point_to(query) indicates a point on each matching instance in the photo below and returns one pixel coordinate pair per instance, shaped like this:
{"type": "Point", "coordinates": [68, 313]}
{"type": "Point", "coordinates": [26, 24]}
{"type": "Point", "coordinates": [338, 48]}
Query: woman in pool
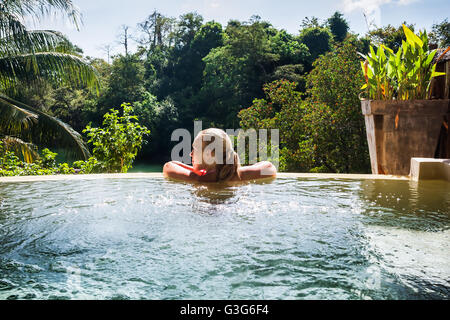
{"type": "Point", "coordinates": [214, 160]}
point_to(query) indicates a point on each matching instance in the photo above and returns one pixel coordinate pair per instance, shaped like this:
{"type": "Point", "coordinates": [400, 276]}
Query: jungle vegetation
{"type": "Point", "coordinates": [245, 74]}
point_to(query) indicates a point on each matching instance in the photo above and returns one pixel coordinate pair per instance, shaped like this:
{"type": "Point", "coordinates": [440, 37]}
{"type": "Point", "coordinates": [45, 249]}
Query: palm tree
{"type": "Point", "coordinates": [33, 56]}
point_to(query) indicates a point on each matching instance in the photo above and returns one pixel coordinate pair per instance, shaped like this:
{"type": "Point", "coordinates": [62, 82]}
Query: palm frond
{"type": "Point", "coordinates": [33, 42]}
{"type": "Point", "coordinates": [14, 119]}
{"type": "Point", "coordinates": [10, 25]}
{"type": "Point", "coordinates": [27, 150]}
{"type": "Point", "coordinates": [41, 8]}
{"type": "Point", "coordinates": [47, 131]}
{"type": "Point", "coordinates": [33, 56]}
{"type": "Point", "coordinates": [58, 68]}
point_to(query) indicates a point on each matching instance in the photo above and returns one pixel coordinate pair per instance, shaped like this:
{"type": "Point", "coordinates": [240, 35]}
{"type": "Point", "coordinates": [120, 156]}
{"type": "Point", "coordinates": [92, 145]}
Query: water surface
{"type": "Point", "coordinates": [289, 239]}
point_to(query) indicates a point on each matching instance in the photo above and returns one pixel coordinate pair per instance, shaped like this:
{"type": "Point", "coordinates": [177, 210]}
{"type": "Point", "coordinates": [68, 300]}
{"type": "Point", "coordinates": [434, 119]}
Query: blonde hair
{"type": "Point", "coordinates": [227, 166]}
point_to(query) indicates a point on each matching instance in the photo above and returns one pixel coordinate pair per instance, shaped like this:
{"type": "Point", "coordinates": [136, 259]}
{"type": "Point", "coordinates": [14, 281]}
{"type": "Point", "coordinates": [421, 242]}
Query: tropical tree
{"type": "Point", "coordinates": [30, 57]}
{"type": "Point", "coordinates": [440, 34]}
{"type": "Point", "coordinates": [318, 41]}
{"type": "Point", "coordinates": [338, 26]}
{"type": "Point", "coordinates": [390, 36]}
{"type": "Point", "coordinates": [156, 30]}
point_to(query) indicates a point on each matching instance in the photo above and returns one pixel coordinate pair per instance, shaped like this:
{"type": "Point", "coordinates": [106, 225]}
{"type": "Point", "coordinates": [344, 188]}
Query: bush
{"type": "Point", "coordinates": [116, 144]}
{"type": "Point", "coordinates": [282, 109]}
{"type": "Point", "coordinates": [404, 75]}
{"type": "Point", "coordinates": [115, 147]}
{"type": "Point", "coordinates": [334, 125]}
{"type": "Point", "coordinates": [325, 132]}
{"type": "Point", "coordinates": [11, 165]}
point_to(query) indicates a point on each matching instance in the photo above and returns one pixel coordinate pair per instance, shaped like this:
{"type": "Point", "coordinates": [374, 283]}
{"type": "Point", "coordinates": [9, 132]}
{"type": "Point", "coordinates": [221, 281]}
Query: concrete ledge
{"type": "Point", "coordinates": [80, 177]}
{"type": "Point", "coordinates": [159, 175]}
{"type": "Point", "coordinates": [341, 176]}
{"type": "Point", "coordinates": [430, 169]}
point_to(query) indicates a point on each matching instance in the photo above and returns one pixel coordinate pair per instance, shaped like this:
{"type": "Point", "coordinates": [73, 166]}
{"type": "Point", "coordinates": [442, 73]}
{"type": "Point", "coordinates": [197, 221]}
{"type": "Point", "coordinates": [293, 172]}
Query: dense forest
{"type": "Point", "coordinates": [247, 74]}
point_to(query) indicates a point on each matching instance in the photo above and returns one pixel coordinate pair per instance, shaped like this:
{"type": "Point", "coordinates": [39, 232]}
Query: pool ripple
{"type": "Point", "coordinates": [289, 239]}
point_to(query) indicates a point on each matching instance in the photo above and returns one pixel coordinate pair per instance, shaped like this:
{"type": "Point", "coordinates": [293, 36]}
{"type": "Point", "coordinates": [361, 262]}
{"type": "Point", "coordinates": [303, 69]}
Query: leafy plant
{"type": "Point", "coordinates": [325, 131]}
{"type": "Point", "coordinates": [45, 164]}
{"type": "Point", "coordinates": [335, 139]}
{"type": "Point", "coordinates": [117, 144]}
{"type": "Point", "coordinates": [404, 75]}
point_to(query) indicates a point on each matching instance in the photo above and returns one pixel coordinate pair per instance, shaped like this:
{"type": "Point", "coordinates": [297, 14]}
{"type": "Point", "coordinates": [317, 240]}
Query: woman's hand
{"type": "Point", "coordinates": [179, 171]}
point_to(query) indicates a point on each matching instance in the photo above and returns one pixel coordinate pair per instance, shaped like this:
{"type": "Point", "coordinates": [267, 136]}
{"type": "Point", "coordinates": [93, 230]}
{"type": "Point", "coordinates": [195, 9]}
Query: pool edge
{"type": "Point", "coordinates": [159, 175]}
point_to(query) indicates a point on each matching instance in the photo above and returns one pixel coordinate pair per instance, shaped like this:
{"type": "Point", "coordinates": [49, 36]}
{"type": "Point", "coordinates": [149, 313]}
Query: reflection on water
{"type": "Point", "coordinates": [408, 231]}
{"type": "Point", "coordinates": [285, 239]}
{"type": "Point", "coordinates": [416, 205]}
{"type": "Point", "coordinates": [214, 194]}
{"type": "Point", "coordinates": [207, 198]}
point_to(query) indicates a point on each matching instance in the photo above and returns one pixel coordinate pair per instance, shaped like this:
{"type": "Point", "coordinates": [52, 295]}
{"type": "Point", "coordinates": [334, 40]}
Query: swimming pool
{"type": "Point", "coordinates": [288, 239]}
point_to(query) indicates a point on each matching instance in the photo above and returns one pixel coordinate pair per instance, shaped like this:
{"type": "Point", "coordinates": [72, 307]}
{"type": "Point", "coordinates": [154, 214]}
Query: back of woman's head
{"type": "Point", "coordinates": [218, 152]}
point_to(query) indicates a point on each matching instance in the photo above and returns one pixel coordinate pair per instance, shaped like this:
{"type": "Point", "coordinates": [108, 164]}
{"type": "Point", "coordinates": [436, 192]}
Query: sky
{"type": "Point", "coordinates": [102, 19]}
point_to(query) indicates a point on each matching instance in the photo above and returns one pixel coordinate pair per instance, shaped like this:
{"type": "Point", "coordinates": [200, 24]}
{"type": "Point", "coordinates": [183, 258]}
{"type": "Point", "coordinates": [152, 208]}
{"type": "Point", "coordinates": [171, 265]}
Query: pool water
{"type": "Point", "coordinates": [287, 239]}
{"type": "Point", "coordinates": [139, 168]}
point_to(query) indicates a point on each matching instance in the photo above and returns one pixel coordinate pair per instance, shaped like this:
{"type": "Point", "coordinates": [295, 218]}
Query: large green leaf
{"type": "Point", "coordinates": [59, 68]}
{"type": "Point", "coordinates": [40, 9]}
{"type": "Point", "coordinates": [33, 42]}
{"type": "Point", "coordinates": [429, 58]}
{"type": "Point", "coordinates": [412, 38]}
{"type": "Point", "coordinates": [41, 129]}
{"type": "Point", "coordinates": [33, 56]}
{"type": "Point", "coordinates": [20, 147]}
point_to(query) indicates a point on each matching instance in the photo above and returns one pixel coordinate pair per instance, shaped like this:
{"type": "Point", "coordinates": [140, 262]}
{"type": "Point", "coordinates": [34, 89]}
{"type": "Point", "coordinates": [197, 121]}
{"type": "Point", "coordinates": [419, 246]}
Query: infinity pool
{"type": "Point", "coordinates": [288, 239]}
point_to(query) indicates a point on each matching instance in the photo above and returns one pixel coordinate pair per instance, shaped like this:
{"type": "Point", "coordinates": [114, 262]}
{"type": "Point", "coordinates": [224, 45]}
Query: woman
{"type": "Point", "coordinates": [214, 160]}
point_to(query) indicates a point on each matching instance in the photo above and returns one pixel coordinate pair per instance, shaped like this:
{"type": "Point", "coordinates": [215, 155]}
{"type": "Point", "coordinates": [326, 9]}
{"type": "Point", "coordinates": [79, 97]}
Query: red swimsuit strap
{"type": "Point", "coordinates": [203, 172]}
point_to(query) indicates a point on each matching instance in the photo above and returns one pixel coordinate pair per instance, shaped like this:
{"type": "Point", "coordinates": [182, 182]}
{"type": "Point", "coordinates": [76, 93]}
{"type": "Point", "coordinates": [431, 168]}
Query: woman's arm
{"type": "Point", "coordinates": [179, 171]}
{"type": "Point", "coordinates": [181, 164]}
{"type": "Point", "coordinates": [263, 169]}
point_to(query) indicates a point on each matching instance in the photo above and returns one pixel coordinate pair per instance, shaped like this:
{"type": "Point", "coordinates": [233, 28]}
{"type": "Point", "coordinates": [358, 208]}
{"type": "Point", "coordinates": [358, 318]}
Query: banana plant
{"type": "Point", "coordinates": [404, 75]}
{"type": "Point", "coordinates": [378, 74]}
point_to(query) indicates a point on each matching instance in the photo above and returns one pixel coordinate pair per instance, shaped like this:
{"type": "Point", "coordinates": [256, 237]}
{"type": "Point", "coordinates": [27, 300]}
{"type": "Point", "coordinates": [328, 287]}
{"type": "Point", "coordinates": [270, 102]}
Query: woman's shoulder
{"type": "Point", "coordinates": [264, 169]}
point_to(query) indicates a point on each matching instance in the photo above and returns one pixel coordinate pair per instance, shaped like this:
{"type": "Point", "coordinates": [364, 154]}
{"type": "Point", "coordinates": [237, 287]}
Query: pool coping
{"type": "Point", "coordinates": [160, 175]}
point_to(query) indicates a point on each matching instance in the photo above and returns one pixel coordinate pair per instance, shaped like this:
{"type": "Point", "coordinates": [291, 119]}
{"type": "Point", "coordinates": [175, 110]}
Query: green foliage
{"type": "Point", "coordinates": [31, 57]}
{"type": "Point", "coordinates": [389, 36]}
{"type": "Point", "coordinates": [288, 48]}
{"type": "Point", "coordinates": [440, 34]}
{"type": "Point", "coordinates": [116, 144]}
{"type": "Point", "coordinates": [325, 132]}
{"type": "Point", "coordinates": [156, 29]}
{"type": "Point", "coordinates": [254, 53]}
{"type": "Point", "coordinates": [126, 82]}
{"type": "Point", "coordinates": [282, 109]}
{"type": "Point", "coordinates": [318, 41]}
{"type": "Point", "coordinates": [187, 27]}
{"type": "Point", "coordinates": [312, 22]}
{"type": "Point", "coordinates": [210, 35]}
{"type": "Point", "coordinates": [338, 26]}
{"type": "Point", "coordinates": [161, 117]}
{"type": "Point", "coordinates": [181, 79]}
{"type": "Point", "coordinates": [334, 126]}
{"type": "Point", "coordinates": [404, 75]}
{"type": "Point", "coordinates": [293, 73]}
{"type": "Point", "coordinates": [11, 165]}
{"type": "Point", "coordinates": [92, 165]}
{"type": "Point", "coordinates": [48, 158]}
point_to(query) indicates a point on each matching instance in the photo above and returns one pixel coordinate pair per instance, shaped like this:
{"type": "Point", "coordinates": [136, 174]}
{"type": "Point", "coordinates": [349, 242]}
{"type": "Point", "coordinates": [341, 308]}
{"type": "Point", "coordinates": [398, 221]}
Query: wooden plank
{"type": "Point", "coordinates": [447, 80]}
